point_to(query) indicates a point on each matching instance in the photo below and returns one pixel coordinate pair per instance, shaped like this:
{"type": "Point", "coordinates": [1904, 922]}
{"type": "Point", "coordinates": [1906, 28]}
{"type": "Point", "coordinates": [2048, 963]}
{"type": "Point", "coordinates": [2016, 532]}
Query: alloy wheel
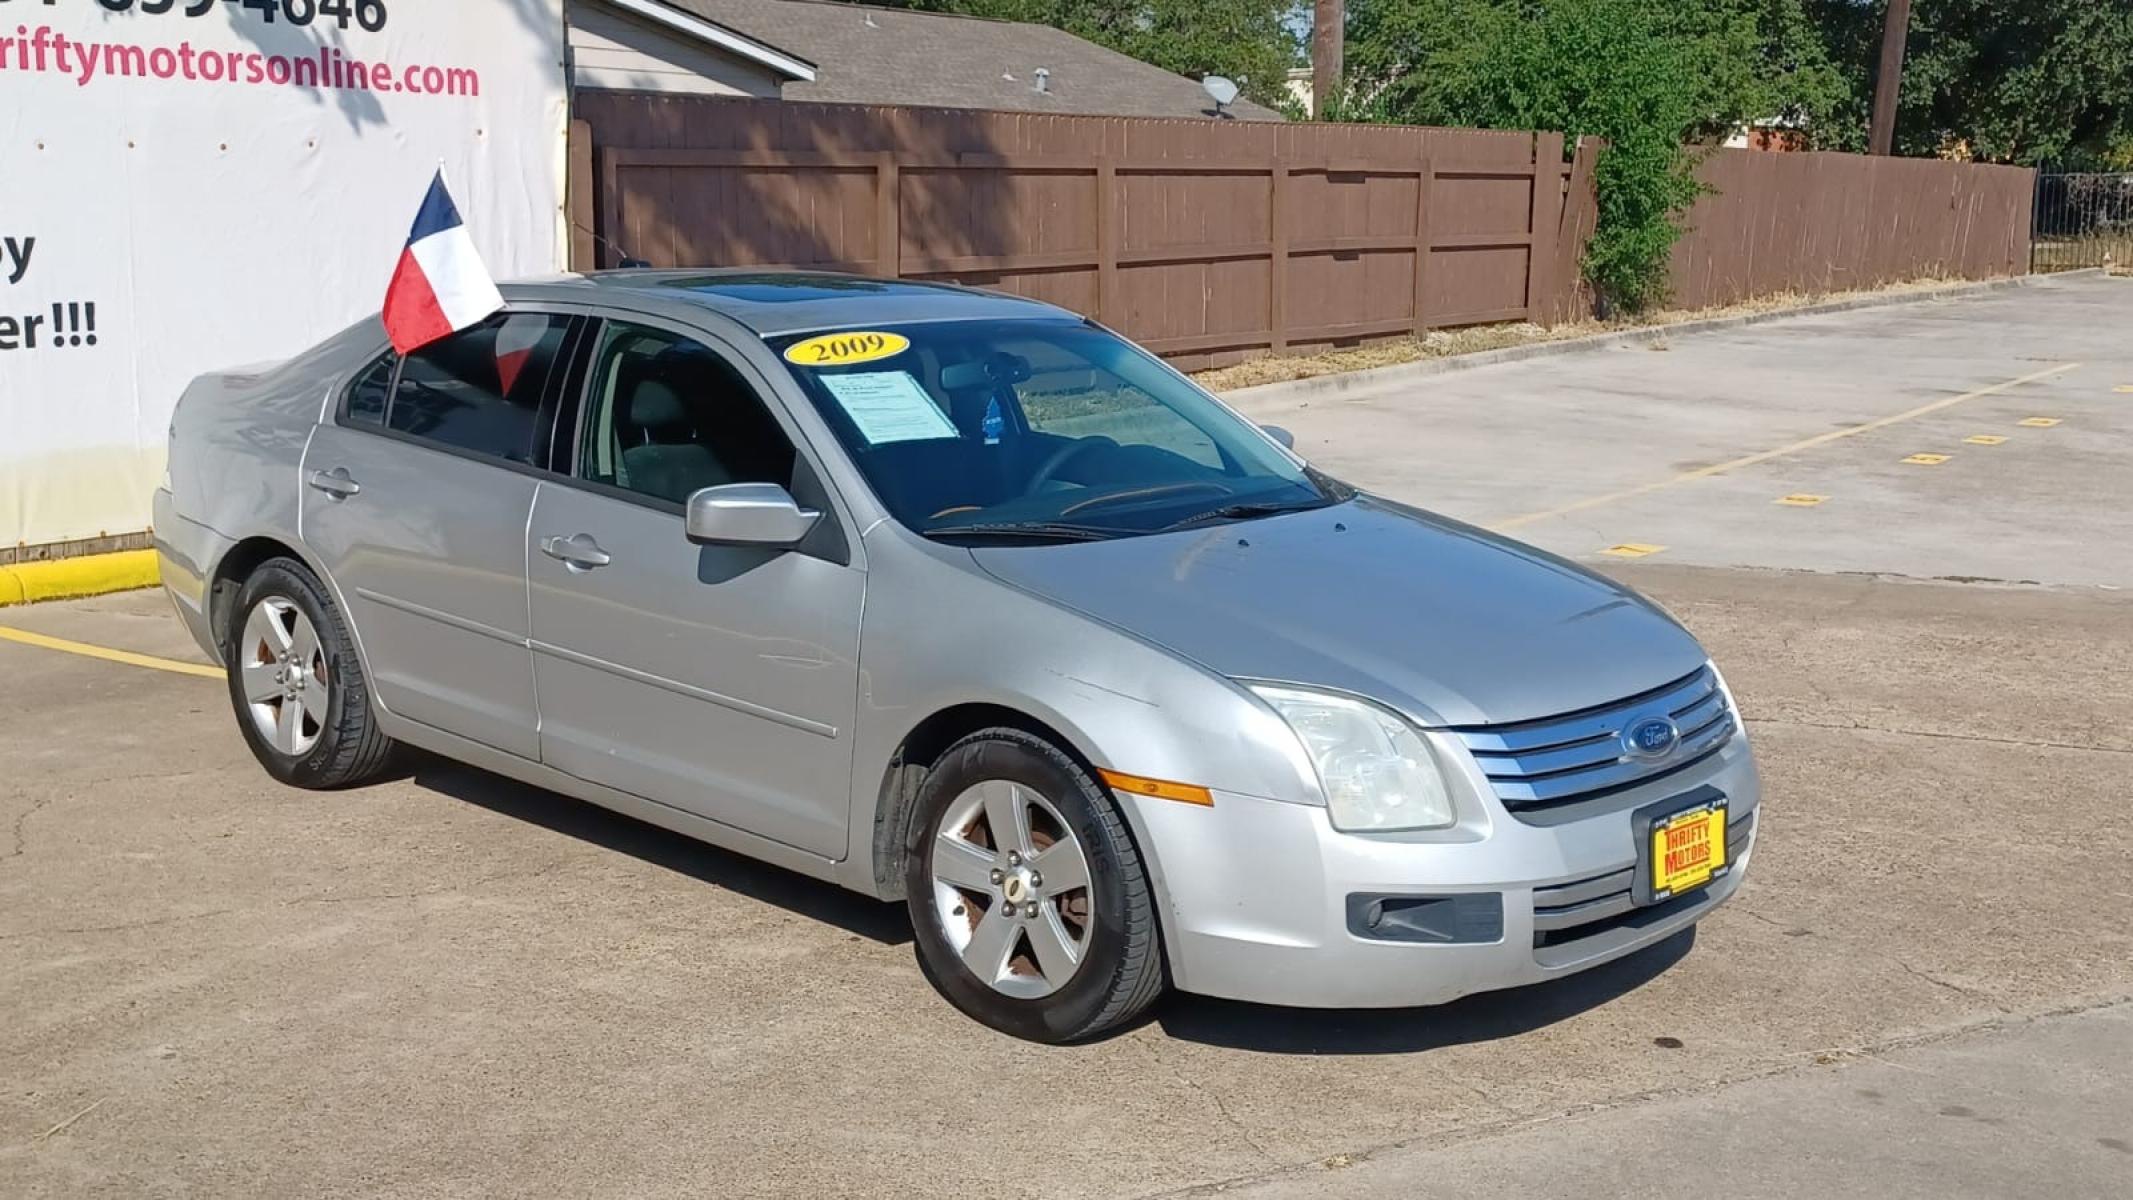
{"type": "Point", "coordinates": [284, 675]}
{"type": "Point", "coordinates": [1011, 887]}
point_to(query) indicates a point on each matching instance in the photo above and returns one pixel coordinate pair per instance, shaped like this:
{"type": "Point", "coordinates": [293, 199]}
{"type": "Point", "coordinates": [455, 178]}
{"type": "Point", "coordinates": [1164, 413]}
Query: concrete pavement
{"type": "Point", "coordinates": [451, 985]}
{"type": "Point", "coordinates": [1630, 446]}
{"type": "Point", "coordinates": [2036, 1108]}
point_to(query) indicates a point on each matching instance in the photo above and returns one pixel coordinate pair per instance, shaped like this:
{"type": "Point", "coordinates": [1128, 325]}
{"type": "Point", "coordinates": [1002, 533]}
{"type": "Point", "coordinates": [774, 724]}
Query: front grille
{"type": "Point", "coordinates": [1563, 760]}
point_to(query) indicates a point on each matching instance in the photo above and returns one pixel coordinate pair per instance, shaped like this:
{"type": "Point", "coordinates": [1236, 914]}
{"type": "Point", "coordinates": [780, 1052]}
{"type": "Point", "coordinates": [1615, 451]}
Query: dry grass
{"type": "Point", "coordinates": [1449, 343]}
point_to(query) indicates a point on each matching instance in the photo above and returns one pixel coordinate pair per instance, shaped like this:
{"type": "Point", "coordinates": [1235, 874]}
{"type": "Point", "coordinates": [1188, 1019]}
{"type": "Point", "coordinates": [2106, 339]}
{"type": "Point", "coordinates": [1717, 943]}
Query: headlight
{"type": "Point", "coordinates": [1377, 772]}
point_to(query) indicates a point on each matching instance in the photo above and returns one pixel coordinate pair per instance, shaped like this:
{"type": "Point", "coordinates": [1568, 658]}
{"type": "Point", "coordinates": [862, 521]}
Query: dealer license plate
{"type": "Point", "coordinates": [1687, 850]}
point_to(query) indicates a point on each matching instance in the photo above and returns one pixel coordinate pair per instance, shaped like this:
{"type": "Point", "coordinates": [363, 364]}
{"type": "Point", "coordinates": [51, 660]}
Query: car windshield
{"type": "Point", "coordinates": [1039, 430]}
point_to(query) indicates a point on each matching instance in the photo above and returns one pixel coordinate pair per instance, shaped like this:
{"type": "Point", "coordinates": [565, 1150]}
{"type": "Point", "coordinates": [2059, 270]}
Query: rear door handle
{"type": "Point", "coordinates": [335, 483]}
{"type": "Point", "coordinates": [579, 551]}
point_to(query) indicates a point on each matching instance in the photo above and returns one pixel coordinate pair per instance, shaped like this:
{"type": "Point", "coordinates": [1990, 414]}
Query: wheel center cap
{"type": "Point", "coordinates": [1016, 888]}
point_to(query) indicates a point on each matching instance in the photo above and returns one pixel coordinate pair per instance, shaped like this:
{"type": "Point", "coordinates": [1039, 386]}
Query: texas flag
{"type": "Point", "coordinates": [441, 286]}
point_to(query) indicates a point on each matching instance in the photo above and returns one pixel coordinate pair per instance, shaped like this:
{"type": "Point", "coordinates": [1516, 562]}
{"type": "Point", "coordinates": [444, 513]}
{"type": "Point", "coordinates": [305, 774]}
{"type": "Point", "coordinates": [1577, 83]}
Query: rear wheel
{"type": "Point", "coordinates": [301, 700]}
{"type": "Point", "coordinates": [1031, 908]}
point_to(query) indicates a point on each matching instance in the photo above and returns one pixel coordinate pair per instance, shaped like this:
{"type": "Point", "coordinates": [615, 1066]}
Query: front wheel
{"type": "Point", "coordinates": [1031, 908]}
{"type": "Point", "coordinates": [301, 699]}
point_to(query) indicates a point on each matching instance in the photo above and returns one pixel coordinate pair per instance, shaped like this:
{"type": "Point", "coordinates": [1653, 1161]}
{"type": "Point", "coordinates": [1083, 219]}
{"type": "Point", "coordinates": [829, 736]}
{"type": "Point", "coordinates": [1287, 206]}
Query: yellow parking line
{"type": "Point", "coordinates": [1632, 550]}
{"type": "Point", "coordinates": [1801, 500]}
{"type": "Point", "coordinates": [1985, 439]}
{"type": "Point", "coordinates": [1750, 460]}
{"type": "Point", "coordinates": [2038, 422]}
{"type": "Point", "coordinates": [107, 654]}
{"type": "Point", "coordinates": [1928, 460]}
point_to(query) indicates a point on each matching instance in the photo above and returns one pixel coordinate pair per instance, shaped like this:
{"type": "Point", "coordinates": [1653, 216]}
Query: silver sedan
{"type": "Point", "coordinates": [958, 599]}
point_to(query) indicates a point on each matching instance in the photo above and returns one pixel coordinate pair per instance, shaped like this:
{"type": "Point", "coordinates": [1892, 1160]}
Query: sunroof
{"type": "Point", "coordinates": [782, 289]}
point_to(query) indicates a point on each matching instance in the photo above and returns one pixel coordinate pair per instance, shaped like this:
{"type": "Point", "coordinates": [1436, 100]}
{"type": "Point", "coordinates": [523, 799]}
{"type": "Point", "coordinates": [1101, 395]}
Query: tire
{"type": "Point", "coordinates": [965, 919]}
{"type": "Point", "coordinates": [334, 741]}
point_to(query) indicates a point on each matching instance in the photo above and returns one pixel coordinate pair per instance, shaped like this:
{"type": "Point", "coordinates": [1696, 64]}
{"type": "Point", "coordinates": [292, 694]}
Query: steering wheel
{"type": "Point", "coordinates": [1064, 455]}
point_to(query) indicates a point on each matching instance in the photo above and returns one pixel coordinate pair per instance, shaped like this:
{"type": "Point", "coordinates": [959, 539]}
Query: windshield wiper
{"type": "Point", "coordinates": [1034, 530]}
{"type": "Point", "coordinates": [1239, 512]}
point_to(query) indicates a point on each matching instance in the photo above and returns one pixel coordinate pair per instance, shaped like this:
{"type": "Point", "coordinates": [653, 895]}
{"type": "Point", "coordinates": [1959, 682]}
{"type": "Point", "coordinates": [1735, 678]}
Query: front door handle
{"type": "Point", "coordinates": [335, 483]}
{"type": "Point", "coordinates": [579, 551]}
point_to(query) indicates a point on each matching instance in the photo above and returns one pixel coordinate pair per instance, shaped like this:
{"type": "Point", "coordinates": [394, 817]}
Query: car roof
{"type": "Point", "coordinates": [776, 303]}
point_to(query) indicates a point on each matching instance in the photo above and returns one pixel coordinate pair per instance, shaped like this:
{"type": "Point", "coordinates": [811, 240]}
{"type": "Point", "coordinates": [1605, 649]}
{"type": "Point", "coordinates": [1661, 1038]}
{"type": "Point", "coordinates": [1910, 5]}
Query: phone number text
{"type": "Point", "coordinates": [369, 15]}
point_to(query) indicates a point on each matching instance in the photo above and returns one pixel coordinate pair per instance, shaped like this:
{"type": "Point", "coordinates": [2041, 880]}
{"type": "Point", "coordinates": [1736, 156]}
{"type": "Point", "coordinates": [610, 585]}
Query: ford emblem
{"type": "Point", "coordinates": [1651, 738]}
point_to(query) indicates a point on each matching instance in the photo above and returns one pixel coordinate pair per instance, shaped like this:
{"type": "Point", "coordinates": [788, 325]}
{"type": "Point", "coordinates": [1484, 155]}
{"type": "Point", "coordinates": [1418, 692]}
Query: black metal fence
{"type": "Point", "coordinates": [2083, 220]}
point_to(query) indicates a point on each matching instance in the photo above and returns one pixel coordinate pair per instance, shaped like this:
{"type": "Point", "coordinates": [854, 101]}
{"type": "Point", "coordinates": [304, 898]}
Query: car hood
{"type": "Point", "coordinates": [1450, 624]}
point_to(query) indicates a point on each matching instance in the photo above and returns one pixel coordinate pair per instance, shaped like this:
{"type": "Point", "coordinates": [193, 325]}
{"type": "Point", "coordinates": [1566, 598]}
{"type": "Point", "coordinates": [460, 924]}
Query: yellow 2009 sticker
{"type": "Point", "coordinates": [844, 349]}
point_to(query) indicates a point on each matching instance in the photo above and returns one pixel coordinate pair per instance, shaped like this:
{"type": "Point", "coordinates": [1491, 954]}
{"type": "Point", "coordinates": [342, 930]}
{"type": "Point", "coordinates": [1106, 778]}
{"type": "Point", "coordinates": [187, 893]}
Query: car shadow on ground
{"type": "Point", "coordinates": [1481, 1018]}
{"type": "Point", "coordinates": [1225, 1023]}
{"type": "Point", "coordinates": [827, 903]}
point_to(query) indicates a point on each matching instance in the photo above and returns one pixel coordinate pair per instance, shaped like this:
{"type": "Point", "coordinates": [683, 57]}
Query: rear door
{"type": "Point", "coordinates": [416, 499]}
{"type": "Point", "coordinates": [719, 680]}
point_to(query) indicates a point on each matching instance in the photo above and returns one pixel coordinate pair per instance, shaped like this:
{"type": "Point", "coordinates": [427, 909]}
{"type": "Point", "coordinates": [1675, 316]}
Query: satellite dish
{"type": "Point", "coordinates": [1222, 91]}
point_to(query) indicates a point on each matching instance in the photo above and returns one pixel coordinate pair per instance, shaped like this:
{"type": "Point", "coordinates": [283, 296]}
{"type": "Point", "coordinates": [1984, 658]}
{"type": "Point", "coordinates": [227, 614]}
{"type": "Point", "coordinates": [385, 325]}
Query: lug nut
{"type": "Point", "coordinates": [998, 874]}
{"type": "Point", "coordinates": [1030, 910]}
{"type": "Point", "coordinates": [1036, 880]}
{"type": "Point", "coordinates": [1014, 858]}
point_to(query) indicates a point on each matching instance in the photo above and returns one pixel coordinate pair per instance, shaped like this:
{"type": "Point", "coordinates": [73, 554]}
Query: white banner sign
{"type": "Point", "coordinates": [187, 185]}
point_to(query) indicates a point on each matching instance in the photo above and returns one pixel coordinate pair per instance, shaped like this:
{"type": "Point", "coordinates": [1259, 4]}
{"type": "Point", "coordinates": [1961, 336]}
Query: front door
{"type": "Point", "coordinates": [718, 680]}
{"type": "Point", "coordinates": [415, 499]}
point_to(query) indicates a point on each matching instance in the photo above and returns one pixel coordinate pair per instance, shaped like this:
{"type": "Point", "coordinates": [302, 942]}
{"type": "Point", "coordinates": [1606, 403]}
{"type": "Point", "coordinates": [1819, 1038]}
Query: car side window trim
{"type": "Point", "coordinates": [572, 381]}
{"type": "Point", "coordinates": [828, 542]}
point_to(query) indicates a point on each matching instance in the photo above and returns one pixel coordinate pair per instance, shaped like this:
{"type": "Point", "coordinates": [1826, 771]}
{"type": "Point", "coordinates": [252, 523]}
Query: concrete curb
{"type": "Point", "coordinates": [70, 578]}
{"type": "Point", "coordinates": [1321, 386]}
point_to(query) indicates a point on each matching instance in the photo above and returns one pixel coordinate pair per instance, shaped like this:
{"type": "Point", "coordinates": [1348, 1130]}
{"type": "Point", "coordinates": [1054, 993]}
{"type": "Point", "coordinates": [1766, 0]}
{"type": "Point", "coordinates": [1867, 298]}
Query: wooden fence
{"type": "Point", "coordinates": [1813, 223]}
{"type": "Point", "coordinates": [1207, 241]}
{"type": "Point", "coordinates": [1212, 241]}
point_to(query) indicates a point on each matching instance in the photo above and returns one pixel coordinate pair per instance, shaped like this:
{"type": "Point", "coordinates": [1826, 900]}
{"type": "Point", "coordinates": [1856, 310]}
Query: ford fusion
{"type": "Point", "coordinates": [957, 599]}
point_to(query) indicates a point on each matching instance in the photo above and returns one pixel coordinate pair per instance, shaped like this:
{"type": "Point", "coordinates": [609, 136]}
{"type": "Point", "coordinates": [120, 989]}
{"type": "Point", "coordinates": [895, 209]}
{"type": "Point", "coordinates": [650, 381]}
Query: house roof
{"type": "Point", "coordinates": [733, 41]}
{"type": "Point", "coordinates": [868, 55]}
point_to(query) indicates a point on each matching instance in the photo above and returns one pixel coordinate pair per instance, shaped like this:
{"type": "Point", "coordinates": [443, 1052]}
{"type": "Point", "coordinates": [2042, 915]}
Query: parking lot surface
{"type": "Point", "coordinates": [1689, 447]}
{"type": "Point", "coordinates": [453, 985]}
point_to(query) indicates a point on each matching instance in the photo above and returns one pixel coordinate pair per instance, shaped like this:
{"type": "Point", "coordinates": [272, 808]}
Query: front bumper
{"type": "Point", "coordinates": [1259, 895]}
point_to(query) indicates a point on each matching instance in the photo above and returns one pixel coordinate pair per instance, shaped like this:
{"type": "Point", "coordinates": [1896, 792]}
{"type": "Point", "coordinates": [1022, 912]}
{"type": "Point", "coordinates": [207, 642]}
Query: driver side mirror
{"type": "Point", "coordinates": [1287, 439]}
{"type": "Point", "coordinates": [748, 514]}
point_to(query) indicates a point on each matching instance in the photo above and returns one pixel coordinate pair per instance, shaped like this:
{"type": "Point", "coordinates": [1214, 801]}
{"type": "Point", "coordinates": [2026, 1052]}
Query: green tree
{"type": "Point", "coordinates": [1618, 69]}
{"type": "Point", "coordinates": [1253, 41]}
{"type": "Point", "coordinates": [1653, 77]}
{"type": "Point", "coordinates": [1747, 60]}
{"type": "Point", "coordinates": [2033, 82]}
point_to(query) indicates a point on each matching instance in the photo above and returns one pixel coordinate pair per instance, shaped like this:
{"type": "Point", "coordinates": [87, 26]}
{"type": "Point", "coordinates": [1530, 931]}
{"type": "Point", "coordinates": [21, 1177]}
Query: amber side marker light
{"type": "Point", "coordinates": [1183, 793]}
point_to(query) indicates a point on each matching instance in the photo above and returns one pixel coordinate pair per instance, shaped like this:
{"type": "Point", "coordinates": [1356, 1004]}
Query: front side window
{"type": "Point", "coordinates": [669, 416]}
{"type": "Point", "coordinates": [1035, 429]}
{"type": "Point", "coordinates": [481, 390]}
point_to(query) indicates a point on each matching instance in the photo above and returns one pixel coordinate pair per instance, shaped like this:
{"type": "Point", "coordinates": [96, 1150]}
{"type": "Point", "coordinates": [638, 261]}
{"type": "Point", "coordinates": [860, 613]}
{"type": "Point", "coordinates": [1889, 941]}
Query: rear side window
{"type": "Point", "coordinates": [368, 394]}
{"type": "Point", "coordinates": [481, 390]}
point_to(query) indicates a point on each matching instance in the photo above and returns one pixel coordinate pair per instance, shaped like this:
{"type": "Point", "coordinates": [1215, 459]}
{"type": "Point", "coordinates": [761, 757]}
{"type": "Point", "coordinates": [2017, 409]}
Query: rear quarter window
{"type": "Point", "coordinates": [371, 389]}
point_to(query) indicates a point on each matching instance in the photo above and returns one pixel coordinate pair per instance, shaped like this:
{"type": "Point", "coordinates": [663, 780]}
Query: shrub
{"type": "Point", "coordinates": [1650, 76]}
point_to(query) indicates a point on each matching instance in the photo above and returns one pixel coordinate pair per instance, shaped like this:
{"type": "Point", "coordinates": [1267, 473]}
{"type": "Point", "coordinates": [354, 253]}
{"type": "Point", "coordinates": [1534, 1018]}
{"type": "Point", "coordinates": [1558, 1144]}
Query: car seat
{"type": "Point", "coordinates": [667, 459]}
